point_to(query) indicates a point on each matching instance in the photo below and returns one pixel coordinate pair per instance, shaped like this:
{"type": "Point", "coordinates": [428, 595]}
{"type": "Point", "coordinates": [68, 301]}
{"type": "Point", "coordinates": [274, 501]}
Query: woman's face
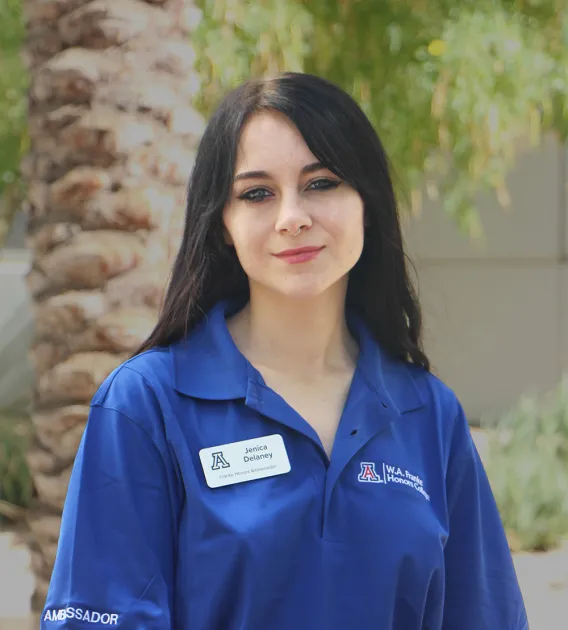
{"type": "Point", "coordinates": [279, 187]}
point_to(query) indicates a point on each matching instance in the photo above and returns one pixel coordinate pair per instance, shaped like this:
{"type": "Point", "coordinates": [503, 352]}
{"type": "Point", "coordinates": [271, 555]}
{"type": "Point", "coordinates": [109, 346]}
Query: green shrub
{"type": "Point", "coordinates": [527, 464]}
{"type": "Point", "coordinates": [13, 111]}
{"type": "Point", "coordinates": [15, 481]}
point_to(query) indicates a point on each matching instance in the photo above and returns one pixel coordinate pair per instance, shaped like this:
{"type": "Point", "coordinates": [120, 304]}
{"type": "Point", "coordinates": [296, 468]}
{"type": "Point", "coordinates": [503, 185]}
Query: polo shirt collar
{"type": "Point", "coordinates": [208, 365]}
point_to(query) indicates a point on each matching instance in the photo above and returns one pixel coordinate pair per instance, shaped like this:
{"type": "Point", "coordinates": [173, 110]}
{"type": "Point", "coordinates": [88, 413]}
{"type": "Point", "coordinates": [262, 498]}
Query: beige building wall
{"type": "Point", "coordinates": [496, 311]}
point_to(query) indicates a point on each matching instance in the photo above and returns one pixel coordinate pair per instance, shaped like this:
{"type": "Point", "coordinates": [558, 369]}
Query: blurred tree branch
{"type": "Point", "coordinates": [456, 89]}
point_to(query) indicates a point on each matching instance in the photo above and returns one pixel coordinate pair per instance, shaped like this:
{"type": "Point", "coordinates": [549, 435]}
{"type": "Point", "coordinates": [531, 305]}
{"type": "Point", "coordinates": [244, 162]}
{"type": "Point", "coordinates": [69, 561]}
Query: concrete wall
{"type": "Point", "coordinates": [496, 312]}
{"type": "Point", "coordinates": [15, 327]}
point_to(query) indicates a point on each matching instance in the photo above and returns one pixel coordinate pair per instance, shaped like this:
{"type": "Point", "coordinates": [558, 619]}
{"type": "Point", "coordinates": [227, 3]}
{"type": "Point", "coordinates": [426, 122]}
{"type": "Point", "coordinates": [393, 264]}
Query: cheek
{"type": "Point", "coordinates": [355, 245]}
{"type": "Point", "coordinates": [358, 225]}
{"type": "Point", "coordinates": [352, 240]}
{"type": "Point", "coordinates": [244, 235]}
{"type": "Point", "coordinates": [348, 228]}
{"type": "Point", "coordinates": [227, 227]}
{"type": "Point", "coordinates": [237, 232]}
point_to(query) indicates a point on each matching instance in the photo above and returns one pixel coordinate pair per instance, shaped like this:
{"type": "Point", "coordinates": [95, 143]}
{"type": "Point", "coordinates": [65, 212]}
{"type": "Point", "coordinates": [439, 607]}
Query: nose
{"type": "Point", "coordinates": [292, 216]}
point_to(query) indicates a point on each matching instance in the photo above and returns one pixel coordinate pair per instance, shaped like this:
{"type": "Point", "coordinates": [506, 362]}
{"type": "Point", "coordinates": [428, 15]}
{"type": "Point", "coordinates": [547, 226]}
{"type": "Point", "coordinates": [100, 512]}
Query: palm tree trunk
{"type": "Point", "coordinates": [112, 134]}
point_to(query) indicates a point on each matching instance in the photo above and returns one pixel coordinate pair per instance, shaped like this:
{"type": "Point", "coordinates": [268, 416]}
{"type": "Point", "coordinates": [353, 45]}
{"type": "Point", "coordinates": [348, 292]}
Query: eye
{"type": "Point", "coordinates": [255, 195]}
{"type": "Point", "coordinates": [324, 183]}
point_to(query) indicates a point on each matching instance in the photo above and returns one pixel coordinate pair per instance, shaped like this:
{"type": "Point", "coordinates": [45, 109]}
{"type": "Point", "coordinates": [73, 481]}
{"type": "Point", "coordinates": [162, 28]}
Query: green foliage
{"type": "Point", "coordinates": [454, 88]}
{"type": "Point", "coordinates": [13, 83]}
{"type": "Point", "coordinates": [527, 464]}
{"type": "Point", "coordinates": [15, 480]}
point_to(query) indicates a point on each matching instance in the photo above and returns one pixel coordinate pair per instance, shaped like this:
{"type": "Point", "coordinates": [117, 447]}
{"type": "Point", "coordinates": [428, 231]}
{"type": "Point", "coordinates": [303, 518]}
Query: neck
{"type": "Point", "coordinates": [305, 337]}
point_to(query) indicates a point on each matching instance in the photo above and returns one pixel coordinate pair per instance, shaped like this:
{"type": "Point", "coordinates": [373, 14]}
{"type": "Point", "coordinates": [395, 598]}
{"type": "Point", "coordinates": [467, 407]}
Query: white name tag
{"type": "Point", "coordinates": [244, 461]}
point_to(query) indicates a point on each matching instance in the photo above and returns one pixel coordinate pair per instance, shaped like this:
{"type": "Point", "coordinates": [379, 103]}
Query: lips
{"type": "Point", "coordinates": [299, 255]}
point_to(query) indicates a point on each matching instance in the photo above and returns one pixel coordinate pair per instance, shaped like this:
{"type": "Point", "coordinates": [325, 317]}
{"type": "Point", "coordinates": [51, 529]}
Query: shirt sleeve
{"type": "Point", "coordinates": [482, 591]}
{"type": "Point", "coordinates": [115, 558]}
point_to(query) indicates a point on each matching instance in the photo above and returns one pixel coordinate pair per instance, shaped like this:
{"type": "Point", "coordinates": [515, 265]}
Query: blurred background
{"type": "Point", "coordinates": [102, 103]}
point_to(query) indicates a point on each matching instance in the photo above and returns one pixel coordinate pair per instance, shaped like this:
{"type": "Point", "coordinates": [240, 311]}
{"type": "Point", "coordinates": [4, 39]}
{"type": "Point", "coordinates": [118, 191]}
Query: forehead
{"type": "Point", "coordinates": [269, 138]}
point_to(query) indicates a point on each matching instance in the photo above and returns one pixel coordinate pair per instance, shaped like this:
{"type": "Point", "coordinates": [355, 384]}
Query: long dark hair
{"type": "Point", "coordinates": [341, 137]}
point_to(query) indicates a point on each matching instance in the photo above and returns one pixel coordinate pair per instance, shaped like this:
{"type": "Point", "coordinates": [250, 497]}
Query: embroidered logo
{"type": "Point", "coordinates": [368, 473]}
{"type": "Point", "coordinates": [391, 474]}
{"type": "Point", "coordinates": [219, 461]}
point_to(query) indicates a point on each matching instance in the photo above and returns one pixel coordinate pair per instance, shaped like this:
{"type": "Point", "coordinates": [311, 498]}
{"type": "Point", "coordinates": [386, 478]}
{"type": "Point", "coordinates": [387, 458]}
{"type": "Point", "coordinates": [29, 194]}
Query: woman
{"type": "Point", "coordinates": [278, 455]}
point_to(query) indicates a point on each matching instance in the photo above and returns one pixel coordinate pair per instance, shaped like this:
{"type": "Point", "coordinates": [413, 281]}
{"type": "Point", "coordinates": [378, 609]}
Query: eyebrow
{"type": "Point", "coordinates": [309, 168]}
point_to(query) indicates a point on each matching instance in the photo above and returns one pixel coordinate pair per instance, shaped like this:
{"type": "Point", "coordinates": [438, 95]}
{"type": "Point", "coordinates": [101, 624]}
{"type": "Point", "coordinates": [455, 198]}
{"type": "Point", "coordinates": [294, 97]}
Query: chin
{"type": "Point", "coordinates": [302, 288]}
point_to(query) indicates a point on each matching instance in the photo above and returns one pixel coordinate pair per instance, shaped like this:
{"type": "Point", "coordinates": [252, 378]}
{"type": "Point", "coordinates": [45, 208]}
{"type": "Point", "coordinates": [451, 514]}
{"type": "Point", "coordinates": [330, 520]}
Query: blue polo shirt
{"type": "Point", "coordinates": [398, 530]}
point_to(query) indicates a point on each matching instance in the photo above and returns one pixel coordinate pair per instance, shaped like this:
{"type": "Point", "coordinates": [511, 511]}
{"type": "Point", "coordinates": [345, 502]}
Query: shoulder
{"type": "Point", "coordinates": [436, 393]}
{"type": "Point", "coordinates": [441, 418]}
{"type": "Point", "coordinates": [414, 388]}
{"type": "Point", "coordinates": [137, 384]}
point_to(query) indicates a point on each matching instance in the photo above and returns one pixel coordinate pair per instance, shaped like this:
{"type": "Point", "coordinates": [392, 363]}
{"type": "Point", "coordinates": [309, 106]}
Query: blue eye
{"type": "Point", "coordinates": [255, 195]}
{"type": "Point", "coordinates": [324, 183]}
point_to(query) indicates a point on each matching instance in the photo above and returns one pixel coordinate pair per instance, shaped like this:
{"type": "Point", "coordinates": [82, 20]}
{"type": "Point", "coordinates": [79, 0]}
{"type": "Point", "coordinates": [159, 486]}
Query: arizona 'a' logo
{"type": "Point", "coordinates": [219, 461]}
{"type": "Point", "coordinates": [368, 473]}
